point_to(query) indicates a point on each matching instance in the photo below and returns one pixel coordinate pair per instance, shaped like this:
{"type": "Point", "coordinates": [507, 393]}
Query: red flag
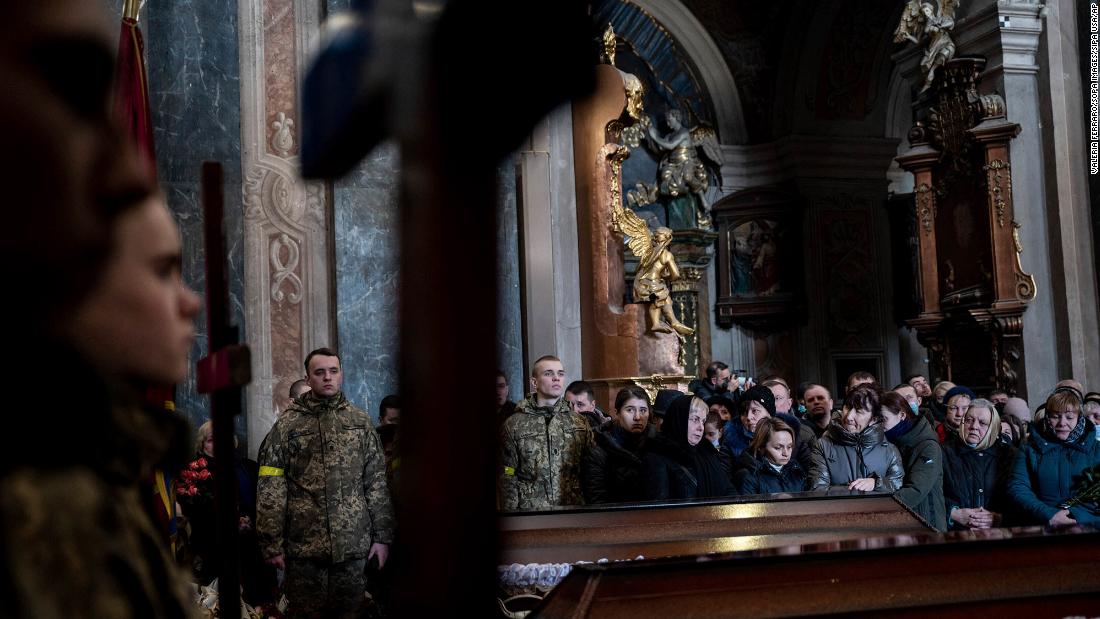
{"type": "Point", "coordinates": [132, 88]}
{"type": "Point", "coordinates": [132, 109]}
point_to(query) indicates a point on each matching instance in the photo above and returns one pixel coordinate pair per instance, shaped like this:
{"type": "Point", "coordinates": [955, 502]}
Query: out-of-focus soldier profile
{"type": "Point", "coordinates": [323, 505]}
{"type": "Point", "coordinates": [102, 314]}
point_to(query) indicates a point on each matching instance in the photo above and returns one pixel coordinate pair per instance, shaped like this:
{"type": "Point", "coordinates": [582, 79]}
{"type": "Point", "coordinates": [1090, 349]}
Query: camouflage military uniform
{"type": "Point", "coordinates": [541, 454]}
{"type": "Point", "coordinates": [322, 500]}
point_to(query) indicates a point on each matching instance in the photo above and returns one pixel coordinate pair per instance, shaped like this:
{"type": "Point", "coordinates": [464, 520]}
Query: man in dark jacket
{"type": "Point", "coordinates": [716, 382]}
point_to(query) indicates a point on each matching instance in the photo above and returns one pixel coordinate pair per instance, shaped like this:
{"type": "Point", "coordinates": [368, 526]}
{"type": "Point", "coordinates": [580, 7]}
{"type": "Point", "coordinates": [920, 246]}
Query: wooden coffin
{"type": "Point", "coordinates": [1026, 572]}
{"type": "Point", "coordinates": [627, 532]}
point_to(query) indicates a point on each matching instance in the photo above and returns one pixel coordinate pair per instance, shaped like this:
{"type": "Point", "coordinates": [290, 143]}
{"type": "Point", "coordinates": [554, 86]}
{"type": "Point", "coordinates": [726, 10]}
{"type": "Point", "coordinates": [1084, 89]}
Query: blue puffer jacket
{"type": "Point", "coordinates": [1047, 472]}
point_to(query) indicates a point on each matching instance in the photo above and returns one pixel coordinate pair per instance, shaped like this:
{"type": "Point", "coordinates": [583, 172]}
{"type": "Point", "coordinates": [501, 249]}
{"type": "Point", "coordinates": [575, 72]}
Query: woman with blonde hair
{"type": "Point", "coordinates": [768, 465]}
{"type": "Point", "coordinates": [976, 469]}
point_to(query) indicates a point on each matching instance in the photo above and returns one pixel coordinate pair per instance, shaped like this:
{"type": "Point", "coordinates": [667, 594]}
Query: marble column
{"type": "Point", "coordinates": [1074, 247]}
{"type": "Point", "coordinates": [191, 52]}
{"type": "Point", "coordinates": [547, 191]}
{"type": "Point", "coordinates": [287, 227]}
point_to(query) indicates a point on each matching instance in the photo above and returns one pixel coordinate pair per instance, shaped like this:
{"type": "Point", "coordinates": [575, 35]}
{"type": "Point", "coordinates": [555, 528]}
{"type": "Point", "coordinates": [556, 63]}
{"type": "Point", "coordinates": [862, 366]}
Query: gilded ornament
{"type": "Point", "coordinates": [925, 206]}
{"type": "Point", "coordinates": [656, 267]}
{"type": "Point", "coordinates": [609, 44]}
{"type": "Point", "coordinates": [635, 96]}
{"type": "Point", "coordinates": [1000, 187]}
{"type": "Point", "coordinates": [1025, 282]}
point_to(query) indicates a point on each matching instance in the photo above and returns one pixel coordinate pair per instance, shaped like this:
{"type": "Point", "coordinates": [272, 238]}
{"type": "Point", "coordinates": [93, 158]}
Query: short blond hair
{"type": "Point", "coordinates": [204, 432]}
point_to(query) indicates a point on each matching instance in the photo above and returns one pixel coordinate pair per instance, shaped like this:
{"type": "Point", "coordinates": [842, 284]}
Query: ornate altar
{"type": "Point", "coordinates": [644, 231]}
{"type": "Point", "coordinates": [973, 289]}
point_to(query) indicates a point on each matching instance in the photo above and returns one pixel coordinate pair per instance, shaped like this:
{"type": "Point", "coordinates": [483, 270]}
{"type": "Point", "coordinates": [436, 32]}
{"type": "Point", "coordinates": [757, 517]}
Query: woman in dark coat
{"type": "Point", "coordinates": [1049, 469]}
{"type": "Point", "coordinates": [679, 464]}
{"type": "Point", "coordinates": [613, 467]}
{"type": "Point", "coordinates": [855, 453]}
{"type": "Point", "coordinates": [976, 468]}
{"type": "Point", "coordinates": [768, 465]}
{"type": "Point", "coordinates": [921, 456]}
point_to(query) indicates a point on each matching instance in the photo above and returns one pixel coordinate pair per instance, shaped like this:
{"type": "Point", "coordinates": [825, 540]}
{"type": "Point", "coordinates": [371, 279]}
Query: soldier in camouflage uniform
{"type": "Point", "coordinates": [542, 445]}
{"type": "Point", "coordinates": [323, 507]}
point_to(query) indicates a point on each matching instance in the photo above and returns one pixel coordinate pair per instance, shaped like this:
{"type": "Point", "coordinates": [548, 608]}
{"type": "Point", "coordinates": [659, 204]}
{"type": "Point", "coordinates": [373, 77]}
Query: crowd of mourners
{"type": "Point", "coordinates": [955, 459]}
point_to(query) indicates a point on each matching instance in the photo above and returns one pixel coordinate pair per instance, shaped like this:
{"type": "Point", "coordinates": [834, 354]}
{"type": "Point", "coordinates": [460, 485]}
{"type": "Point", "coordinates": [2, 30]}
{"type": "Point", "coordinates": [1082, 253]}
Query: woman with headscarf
{"type": "Point", "coordinates": [1049, 470]}
{"type": "Point", "coordinates": [922, 489]}
{"type": "Point", "coordinates": [976, 468]}
{"type": "Point", "coordinates": [679, 464]}
{"type": "Point", "coordinates": [855, 453]}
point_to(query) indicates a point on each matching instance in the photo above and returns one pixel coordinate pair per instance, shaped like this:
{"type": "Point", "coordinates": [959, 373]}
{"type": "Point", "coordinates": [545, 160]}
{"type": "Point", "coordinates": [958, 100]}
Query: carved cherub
{"type": "Point", "coordinates": [656, 268]}
{"type": "Point", "coordinates": [922, 18]}
{"type": "Point", "coordinates": [681, 170]}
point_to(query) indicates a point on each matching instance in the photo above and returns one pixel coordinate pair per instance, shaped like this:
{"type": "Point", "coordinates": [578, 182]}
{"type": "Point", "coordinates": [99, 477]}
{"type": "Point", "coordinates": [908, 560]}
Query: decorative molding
{"type": "Point", "coordinates": [286, 237]}
{"type": "Point", "coordinates": [1025, 282]}
{"type": "Point", "coordinates": [999, 179]}
{"type": "Point", "coordinates": [926, 206]}
{"type": "Point", "coordinates": [283, 139]}
{"type": "Point", "coordinates": [285, 271]}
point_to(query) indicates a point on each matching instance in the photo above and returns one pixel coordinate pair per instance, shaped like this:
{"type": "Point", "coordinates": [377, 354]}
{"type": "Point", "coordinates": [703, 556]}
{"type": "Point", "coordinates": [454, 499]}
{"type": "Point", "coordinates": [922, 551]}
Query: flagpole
{"type": "Point", "coordinates": [130, 9]}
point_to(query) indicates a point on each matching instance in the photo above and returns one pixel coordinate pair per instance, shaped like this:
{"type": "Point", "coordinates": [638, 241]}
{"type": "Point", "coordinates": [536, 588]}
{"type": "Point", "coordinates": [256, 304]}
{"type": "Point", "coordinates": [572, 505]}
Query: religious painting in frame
{"type": "Point", "coordinates": [759, 259]}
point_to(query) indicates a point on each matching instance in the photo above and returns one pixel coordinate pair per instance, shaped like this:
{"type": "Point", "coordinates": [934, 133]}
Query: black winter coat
{"type": "Point", "coordinates": [973, 478]}
{"type": "Point", "coordinates": [612, 470]}
{"type": "Point", "coordinates": [670, 472]}
{"type": "Point", "coordinates": [756, 476]}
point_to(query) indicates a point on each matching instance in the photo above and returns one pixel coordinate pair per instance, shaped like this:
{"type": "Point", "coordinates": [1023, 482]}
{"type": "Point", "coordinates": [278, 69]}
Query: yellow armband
{"type": "Point", "coordinates": [509, 471]}
{"type": "Point", "coordinates": [270, 471]}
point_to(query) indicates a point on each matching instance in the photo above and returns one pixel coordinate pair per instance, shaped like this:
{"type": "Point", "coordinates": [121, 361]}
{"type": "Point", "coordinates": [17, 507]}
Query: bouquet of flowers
{"type": "Point", "coordinates": [196, 483]}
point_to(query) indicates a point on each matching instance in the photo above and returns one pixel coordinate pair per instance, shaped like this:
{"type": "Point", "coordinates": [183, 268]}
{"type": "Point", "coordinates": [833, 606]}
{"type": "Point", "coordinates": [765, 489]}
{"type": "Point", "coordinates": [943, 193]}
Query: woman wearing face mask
{"type": "Point", "coordinates": [768, 465]}
{"type": "Point", "coordinates": [976, 469]}
{"type": "Point", "coordinates": [613, 467]}
{"type": "Point", "coordinates": [854, 453]}
{"type": "Point", "coordinates": [680, 464]}
{"type": "Point", "coordinates": [1048, 470]}
{"type": "Point", "coordinates": [922, 490]}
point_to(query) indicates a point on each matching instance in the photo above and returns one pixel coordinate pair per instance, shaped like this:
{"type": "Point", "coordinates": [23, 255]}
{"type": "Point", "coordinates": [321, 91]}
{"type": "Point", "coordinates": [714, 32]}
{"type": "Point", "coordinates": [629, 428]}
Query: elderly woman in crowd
{"type": "Point", "coordinates": [1048, 471]}
{"type": "Point", "coordinates": [922, 489]}
{"type": "Point", "coordinates": [768, 465]}
{"type": "Point", "coordinates": [976, 469]}
{"type": "Point", "coordinates": [854, 452]}
{"type": "Point", "coordinates": [679, 464]}
{"type": "Point", "coordinates": [613, 466]}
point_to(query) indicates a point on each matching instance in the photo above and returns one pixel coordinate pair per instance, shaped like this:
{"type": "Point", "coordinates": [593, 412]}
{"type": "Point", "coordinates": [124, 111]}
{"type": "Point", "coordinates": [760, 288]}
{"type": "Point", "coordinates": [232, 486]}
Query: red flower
{"type": "Point", "coordinates": [201, 462]}
{"type": "Point", "coordinates": [203, 474]}
{"type": "Point", "coordinates": [192, 490]}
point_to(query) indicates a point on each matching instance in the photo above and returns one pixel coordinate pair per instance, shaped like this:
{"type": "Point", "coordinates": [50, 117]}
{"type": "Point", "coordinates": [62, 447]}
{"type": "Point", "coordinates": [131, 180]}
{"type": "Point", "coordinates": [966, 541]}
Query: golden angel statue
{"type": "Point", "coordinates": [681, 172]}
{"type": "Point", "coordinates": [922, 18]}
{"type": "Point", "coordinates": [656, 268]}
